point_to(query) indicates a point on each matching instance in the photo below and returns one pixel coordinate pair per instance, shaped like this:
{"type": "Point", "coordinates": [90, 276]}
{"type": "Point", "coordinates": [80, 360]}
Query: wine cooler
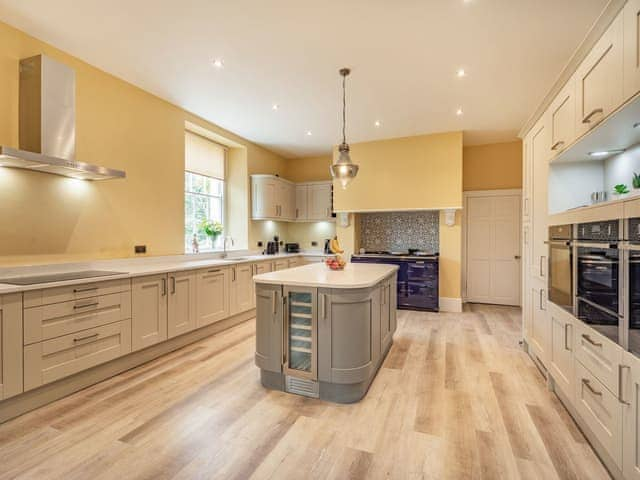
{"type": "Point", "coordinates": [301, 352]}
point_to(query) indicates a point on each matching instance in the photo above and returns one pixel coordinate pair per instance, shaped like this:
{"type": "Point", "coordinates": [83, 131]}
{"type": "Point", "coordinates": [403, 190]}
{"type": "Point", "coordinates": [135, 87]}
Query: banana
{"type": "Point", "coordinates": [334, 245]}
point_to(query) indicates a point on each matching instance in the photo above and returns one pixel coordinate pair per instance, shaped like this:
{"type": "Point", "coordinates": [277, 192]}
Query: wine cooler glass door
{"type": "Point", "coordinates": [301, 331]}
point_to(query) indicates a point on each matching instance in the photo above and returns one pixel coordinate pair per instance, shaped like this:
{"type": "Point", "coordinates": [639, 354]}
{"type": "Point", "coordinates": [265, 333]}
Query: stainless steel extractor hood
{"type": "Point", "coordinates": [47, 130]}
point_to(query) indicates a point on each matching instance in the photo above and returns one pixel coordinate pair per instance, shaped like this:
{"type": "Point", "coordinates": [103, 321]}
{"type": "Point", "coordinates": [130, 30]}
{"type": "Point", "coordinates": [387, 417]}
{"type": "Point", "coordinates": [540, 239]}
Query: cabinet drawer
{"type": "Point", "coordinates": [600, 410]}
{"type": "Point", "coordinates": [47, 296]}
{"type": "Point", "coordinates": [598, 354]}
{"type": "Point", "coordinates": [55, 320]}
{"type": "Point", "coordinates": [51, 360]}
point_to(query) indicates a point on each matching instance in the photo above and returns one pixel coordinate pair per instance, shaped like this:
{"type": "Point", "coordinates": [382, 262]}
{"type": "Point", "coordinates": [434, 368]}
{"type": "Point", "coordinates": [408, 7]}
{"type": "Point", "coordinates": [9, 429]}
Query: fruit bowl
{"type": "Point", "coordinates": [335, 263]}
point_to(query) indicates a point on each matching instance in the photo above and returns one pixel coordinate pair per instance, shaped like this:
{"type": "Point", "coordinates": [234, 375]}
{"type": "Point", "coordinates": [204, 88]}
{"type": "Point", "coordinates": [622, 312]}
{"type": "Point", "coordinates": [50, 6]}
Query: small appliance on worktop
{"type": "Point", "coordinates": [417, 284]}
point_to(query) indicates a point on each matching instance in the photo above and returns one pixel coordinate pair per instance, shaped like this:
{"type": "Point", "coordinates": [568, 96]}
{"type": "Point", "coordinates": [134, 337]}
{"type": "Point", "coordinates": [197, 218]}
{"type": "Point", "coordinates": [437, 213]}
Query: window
{"type": "Point", "coordinates": [203, 190]}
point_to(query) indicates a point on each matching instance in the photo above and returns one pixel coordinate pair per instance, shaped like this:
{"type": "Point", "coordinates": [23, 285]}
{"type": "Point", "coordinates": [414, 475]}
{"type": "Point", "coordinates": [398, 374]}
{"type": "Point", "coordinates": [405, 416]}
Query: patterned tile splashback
{"type": "Point", "coordinates": [400, 231]}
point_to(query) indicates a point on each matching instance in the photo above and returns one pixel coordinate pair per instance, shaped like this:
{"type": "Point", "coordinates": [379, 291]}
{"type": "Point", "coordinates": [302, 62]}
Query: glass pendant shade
{"type": "Point", "coordinates": [344, 170]}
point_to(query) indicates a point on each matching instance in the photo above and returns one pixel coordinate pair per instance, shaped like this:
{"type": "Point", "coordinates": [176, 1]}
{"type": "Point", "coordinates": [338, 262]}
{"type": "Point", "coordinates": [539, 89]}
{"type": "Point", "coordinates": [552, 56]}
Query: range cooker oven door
{"type": "Point", "coordinates": [598, 282]}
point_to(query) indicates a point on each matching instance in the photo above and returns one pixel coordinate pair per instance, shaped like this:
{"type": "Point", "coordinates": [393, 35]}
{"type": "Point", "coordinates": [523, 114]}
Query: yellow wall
{"type": "Point", "coordinates": [48, 218]}
{"type": "Point", "coordinates": [405, 173]}
{"type": "Point", "coordinates": [309, 169]}
{"type": "Point", "coordinates": [492, 167]}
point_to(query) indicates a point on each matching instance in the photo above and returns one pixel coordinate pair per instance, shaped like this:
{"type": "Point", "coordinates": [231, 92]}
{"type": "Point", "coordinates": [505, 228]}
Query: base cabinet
{"type": "Point", "coordinates": [386, 327]}
{"type": "Point", "coordinates": [241, 288]}
{"type": "Point", "coordinates": [269, 328]}
{"type": "Point", "coordinates": [630, 399]}
{"type": "Point", "coordinates": [212, 296]}
{"type": "Point", "coordinates": [148, 311]}
{"type": "Point", "coordinates": [561, 352]}
{"type": "Point", "coordinates": [11, 369]}
{"type": "Point", "coordinates": [181, 317]}
{"type": "Point", "coordinates": [539, 340]}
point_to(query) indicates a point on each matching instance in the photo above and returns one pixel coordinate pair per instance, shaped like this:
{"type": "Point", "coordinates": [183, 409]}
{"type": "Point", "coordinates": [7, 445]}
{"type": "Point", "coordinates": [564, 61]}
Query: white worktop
{"type": "Point", "coordinates": [134, 267]}
{"type": "Point", "coordinates": [354, 275]}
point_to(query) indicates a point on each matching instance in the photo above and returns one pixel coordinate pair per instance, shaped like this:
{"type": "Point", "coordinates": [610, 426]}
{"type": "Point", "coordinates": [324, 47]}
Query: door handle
{"type": "Point", "coordinates": [323, 307]}
{"type": "Point", "coordinates": [542, 265]}
{"type": "Point", "coordinates": [516, 257]}
{"type": "Point", "coordinates": [274, 304]}
{"type": "Point", "coordinates": [233, 271]}
{"type": "Point", "coordinates": [164, 286]}
{"type": "Point", "coordinates": [591, 341]}
{"type": "Point", "coordinates": [557, 145]}
{"type": "Point", "coordinates": [566, 336]}
{"type": "Point", "coordinates": [587, 384]}
{"type": "Point", "coordinates": [593, 112]}
{"type": "Point", "coordinates": [173, 285]}
{"type": "Point", "coordinates": [620, 385]}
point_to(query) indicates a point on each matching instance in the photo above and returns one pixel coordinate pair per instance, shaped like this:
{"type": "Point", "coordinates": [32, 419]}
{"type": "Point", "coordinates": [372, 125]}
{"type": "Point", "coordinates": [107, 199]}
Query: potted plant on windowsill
{"type": "Point", "coordinates": [212, 229]}
{"type": "Point", "coordinates": [620, 190]}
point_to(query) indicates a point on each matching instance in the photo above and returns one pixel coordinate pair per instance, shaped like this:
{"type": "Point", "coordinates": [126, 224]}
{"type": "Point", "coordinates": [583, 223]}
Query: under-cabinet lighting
{"type": "Point", "coordinates": [604, 153]}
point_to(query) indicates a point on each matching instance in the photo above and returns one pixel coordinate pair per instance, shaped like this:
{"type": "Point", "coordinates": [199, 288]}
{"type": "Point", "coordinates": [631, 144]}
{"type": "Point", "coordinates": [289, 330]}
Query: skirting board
{"type": "Point", "coordinates": [448, 304]}
{"type": "Point", "coordinates": [25, 402]}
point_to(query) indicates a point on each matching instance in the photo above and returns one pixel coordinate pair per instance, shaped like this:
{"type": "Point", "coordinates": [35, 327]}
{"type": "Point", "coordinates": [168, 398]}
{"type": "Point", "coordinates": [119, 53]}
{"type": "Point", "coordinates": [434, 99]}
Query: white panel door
{"type": "Point", "coordinates": [493, 249]}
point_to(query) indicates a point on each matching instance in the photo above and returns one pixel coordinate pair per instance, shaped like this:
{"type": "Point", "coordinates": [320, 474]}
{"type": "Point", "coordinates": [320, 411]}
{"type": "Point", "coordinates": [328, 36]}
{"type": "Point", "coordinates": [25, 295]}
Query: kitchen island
{"type": "Point", "coordinates": [324, 333]}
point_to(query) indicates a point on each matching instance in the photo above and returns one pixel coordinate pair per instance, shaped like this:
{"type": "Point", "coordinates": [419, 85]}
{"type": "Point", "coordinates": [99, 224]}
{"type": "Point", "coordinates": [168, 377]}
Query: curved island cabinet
{"type": "Point", "coordinates": [323, 333]}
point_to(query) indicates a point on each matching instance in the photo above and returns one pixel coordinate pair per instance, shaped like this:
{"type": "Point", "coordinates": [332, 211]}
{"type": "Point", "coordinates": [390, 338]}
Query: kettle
{"type": "Point", "coordinates": [327, 245]}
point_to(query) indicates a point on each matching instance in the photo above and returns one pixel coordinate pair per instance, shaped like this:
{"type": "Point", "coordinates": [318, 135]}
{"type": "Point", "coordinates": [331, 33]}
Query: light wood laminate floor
{"type": "Point", "coordinates": [456, 398]}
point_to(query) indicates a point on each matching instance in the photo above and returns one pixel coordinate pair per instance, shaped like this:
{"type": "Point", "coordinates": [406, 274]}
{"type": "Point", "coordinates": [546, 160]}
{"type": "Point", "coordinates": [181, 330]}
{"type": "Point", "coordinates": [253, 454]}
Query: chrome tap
{"type": "Point", "coordinates": [226, 239]}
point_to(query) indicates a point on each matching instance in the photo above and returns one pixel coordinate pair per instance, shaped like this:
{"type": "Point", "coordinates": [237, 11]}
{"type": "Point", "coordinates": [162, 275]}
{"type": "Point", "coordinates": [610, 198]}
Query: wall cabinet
{"type": "Point", "coordinates": [148, 311]}
{"type": "Point", "coordinates": [631, 15]}
{"type": "Point", "coordinates": [563, 118]}
{"type": "Point", "coordinates": [241, 288]}
{"type": "Point", "coordinates": [275, 198]}
{"type": "Point", "coordinates": [599, 79]}
{"type": "Point", "coordinates": [213, 285]}
{"type": "Point", "coordinates": [181, 317]}
{"type": "Point", "coordinates": [11, 367]}
{"type": "Point", "coordinates": [561, 351]}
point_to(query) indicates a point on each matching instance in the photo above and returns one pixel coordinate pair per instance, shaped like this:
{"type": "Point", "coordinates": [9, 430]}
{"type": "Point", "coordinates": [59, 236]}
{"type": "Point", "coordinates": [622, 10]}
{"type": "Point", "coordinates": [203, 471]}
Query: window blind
{"type": "Point", "coordinates": [203, 156]}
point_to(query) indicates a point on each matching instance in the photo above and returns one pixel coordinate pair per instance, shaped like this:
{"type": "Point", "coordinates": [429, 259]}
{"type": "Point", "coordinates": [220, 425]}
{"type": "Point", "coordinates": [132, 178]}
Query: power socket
{"type": "Point", "coordinates": [140, 249]}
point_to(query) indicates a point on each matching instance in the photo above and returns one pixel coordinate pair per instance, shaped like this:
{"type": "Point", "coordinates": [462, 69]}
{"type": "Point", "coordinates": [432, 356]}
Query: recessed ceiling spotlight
{"type": "Point", "coordinates": [309, 133]}
{"type": "Point", "coordinates": [459, 112]}
{"type": "Point", "coordinates": [275, 106]}
{"type": "Point", "coordinates": [218, 63]}
{"type": "Point", "coordinates": [461, 73]}
{"type": "Point", "coordinates": [604, 153]}
{"type": "Point", "coordinates": [377, 123]}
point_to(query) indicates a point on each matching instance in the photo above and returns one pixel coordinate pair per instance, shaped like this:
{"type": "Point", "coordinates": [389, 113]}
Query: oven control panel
{"type": "Point", "coordinates": [599, 231]}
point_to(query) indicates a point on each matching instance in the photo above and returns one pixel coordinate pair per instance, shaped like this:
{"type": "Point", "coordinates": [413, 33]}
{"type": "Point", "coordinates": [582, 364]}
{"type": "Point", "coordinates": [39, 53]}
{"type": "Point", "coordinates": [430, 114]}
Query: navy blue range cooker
{"type": "Point", "coordinates": [417, 277]}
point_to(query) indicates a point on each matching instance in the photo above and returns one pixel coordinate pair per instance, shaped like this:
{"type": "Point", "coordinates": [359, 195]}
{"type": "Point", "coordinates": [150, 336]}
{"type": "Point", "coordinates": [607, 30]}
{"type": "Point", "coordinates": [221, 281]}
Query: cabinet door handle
{"type": "Point", "coordinates": [233, 271]}
{"type": "Point", "coordinates": [297, 213]}
{"type": "Point", "coordinates": [88, 337]}
{"type": "Point", "coordinates": [566, 336]}
{"type": "Point", "coordinates": [164, 287]}
{"type": "Point", "coordinates": [323, 309]}
{"type": "Point", "coordinates": [173, 285]}
{"type": "Point", "coordinates": [620, 384]}
{"type": "Point", "coordinates": [274, 304]}
{"type": "Point", "coordinates": [82, 290]}
{"type": "Point", "coordinates": [557, 145]}
{"type": "Point", "coordinates": [85, 305]}
{"type": "Point", "coordinates": [541, 296]}
{"type": "Point", "coordinates": [593, 112]}
{"type": "Point", "coordinates": [542, 265]}
{"type": "Point", "coordinates": [587, 384]}
{"type": "Point", "coordinates": [590, 340]}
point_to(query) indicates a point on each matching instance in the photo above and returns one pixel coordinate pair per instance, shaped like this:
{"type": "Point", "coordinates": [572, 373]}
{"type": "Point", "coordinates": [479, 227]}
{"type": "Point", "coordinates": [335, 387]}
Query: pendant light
{"type": "Point", "coordinates": [344, 170]}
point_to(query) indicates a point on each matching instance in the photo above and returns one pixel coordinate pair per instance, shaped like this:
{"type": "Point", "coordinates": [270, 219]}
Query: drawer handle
{"type": "Point", "coordinates": [213, 271]}
{"type": "Point", "coordinates": [82, 290]}
{"type": "Point", "coordinates": [88, 337]}
{"type": "Point", "coordinates": [557, 145]}
{"type": "Point", "coordinates": [94, 304]}
{"type": "Point", "coordinates": [587, 384]}
{"type": "Point", "coordinates": [593, 112]}
{"type": "Point", "coordinates": [591, 341]}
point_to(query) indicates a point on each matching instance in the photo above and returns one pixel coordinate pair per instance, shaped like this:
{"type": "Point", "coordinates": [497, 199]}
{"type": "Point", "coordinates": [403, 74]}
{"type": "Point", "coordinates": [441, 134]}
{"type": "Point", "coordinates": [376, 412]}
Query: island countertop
{"type": "Point", "coordinates": [354, 275]}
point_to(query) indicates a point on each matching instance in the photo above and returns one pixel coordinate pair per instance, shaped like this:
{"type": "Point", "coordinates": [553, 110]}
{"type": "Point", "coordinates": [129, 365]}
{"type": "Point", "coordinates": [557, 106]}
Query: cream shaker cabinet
{"type": "Point", "coordinates": [630, 400]}
{"type": "Point", "coordinates": [241, 288]}
{"type": "Point", "coordinates": [212, 296]}
{"type": "Point", "coordinates": [264, 197]}
{"type": "Point", "coordinates": [561, 350]}
{"type": "Point", "coordinates": [302, 204]}
{"type": "Point", "coordinates": [11, 366]}
{"type": "Point", "coordinates": [599, 79]}
{"type": "Point", "coordinates": [148, 311]}
{"type": "Point", "coordinates": [540, 168]}
{"type": "Point", "coordinates": [631, 15]}
{"type": "Point", "coordinates": [563, 117]}
{"type": "Point", "coordinates": [540, 338]}
{"type": "Point", "coordinates": [319, 201]}
{"type": "Point", "coordinates": [181, 303]}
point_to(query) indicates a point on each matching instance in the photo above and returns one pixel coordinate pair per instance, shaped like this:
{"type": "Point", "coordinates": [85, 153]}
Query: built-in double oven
{"type": "Point", "coordinates": [594, 272]}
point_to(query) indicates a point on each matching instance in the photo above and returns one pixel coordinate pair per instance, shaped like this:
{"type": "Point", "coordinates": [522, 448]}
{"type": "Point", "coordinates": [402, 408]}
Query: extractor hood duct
{"type": "Point", "coordinates": [47, 127]}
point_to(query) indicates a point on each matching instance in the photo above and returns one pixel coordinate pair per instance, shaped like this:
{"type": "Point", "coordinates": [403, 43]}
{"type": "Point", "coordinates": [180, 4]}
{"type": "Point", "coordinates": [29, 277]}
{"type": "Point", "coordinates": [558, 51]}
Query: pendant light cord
{"type": "Point", "coordinates": [344, 109]}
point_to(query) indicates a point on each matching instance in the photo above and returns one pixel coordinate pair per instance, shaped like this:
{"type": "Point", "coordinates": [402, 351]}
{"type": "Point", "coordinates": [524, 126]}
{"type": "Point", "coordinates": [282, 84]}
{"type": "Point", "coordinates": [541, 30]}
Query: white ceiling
{"type": "Point", "coordinates": [404, 55]}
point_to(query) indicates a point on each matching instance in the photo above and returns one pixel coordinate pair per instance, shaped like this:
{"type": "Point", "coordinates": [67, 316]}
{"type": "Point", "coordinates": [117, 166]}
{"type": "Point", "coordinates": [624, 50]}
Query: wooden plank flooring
{"type": "Point", "coordinates": [456, 398]}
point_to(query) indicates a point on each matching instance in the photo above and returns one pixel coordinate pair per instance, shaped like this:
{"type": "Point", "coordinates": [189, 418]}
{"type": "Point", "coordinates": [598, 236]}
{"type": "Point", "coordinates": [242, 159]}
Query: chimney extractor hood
{"type": "Point", "coordinates": [47, 130]}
